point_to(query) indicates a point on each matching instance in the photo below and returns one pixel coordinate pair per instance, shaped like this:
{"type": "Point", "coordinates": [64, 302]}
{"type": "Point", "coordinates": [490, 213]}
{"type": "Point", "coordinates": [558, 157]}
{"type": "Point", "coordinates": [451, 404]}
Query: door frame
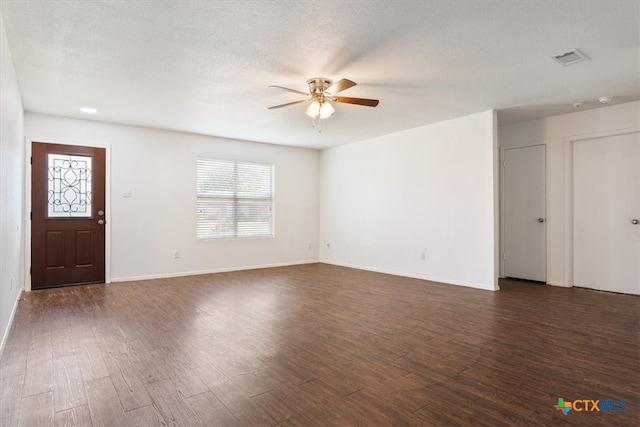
{"type": "Point", "coordinates": [27, 204]}
{"type": "Point", "coordinates": [569, 142]}
{"type": "Point", "coordinates": [503, 148]}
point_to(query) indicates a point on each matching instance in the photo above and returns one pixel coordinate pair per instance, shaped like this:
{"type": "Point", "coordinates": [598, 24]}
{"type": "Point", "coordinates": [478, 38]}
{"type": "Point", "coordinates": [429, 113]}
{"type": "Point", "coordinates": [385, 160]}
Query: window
{"type": "Point", "coordinates": [234, 199]}
{"type": "Point", "coordinates": [69, 186]}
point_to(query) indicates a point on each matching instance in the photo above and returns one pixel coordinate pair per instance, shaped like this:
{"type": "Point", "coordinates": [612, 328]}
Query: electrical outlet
{"type": "Point", "coordinates": [423, 256]}
{"type": "Point", "coordinates": [176, 254]}
{"type": "Point", "coordinates": [309, 246]}
{"type": "Point", "coordinates": [328, 245]}
{"type": "Point", "coordinates": [11, 284]}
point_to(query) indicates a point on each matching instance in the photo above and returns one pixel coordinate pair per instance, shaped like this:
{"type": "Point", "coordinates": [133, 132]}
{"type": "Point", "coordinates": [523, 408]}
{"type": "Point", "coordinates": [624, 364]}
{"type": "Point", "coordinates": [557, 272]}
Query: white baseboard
{"type": "Point", "coordinates": [5, 334]}
{"type": "Point", "coordinates": [412, 276]}
{"type": "Point", "coordinates": [208, 271]}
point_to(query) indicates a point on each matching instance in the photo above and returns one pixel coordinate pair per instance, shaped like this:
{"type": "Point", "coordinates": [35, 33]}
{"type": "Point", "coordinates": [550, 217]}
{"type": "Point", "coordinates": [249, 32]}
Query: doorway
{"type": "Point", "coordinates": [606, 213]}
{"type": "Point", "coordinates": [68, 215]}
{"type": "Point", "coordinates": [524, 212]}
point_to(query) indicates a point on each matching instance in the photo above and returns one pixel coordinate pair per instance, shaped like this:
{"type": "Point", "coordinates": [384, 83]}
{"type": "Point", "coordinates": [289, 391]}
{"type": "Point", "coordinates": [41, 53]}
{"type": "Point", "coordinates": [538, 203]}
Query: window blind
{"type": "Point", "coordinates": [234, 199]}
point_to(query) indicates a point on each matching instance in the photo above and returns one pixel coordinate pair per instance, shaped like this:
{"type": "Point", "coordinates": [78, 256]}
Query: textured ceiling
{"type": "Point", "coordinates": [204, 66]}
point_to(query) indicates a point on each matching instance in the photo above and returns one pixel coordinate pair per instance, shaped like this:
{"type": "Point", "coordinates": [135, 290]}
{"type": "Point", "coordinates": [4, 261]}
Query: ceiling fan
{"type": "Point", "coordinates": [322, 92]}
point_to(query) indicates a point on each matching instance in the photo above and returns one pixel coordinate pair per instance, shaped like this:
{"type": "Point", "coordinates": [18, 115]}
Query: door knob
{"type": "Point", "coordinates": [101, 212]}
{"type": "Point", "coordinates": [634, 221]}
{"type": "Point", "coordinates": [540, 219]}
{"type": "Point", "coordinates": [101, 221]}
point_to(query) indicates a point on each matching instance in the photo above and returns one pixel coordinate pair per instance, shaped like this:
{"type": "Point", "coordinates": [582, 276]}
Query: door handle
{"type": "Point", "coordinates": [634, 221]}
{"type": "Point", "coordinates": [540, 219]}
{"type": "Point", "coordinates": [101, 221]}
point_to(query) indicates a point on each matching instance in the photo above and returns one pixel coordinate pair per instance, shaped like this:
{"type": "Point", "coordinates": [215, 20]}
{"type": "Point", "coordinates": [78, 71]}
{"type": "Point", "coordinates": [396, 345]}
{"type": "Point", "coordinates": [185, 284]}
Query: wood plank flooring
{"type": "Point", "coordinates": [318, 345]}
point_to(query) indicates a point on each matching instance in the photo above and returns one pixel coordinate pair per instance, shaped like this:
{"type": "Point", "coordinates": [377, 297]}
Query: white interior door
{"type": "Point", "coordinates": [606, 203]}
{"type": "Point", "coordinates": [524, 213]}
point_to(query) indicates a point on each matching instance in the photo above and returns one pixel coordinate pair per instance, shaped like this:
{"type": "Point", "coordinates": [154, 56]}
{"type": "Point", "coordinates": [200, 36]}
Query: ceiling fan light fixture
{"type": "Point", "coordinates": [320, 110]}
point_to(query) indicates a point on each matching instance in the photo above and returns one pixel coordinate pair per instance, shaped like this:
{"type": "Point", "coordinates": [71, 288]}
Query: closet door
{"type": "Point", "coordinates": [524, 210]}
{"type": "Point", "coordinates": [606, 213]}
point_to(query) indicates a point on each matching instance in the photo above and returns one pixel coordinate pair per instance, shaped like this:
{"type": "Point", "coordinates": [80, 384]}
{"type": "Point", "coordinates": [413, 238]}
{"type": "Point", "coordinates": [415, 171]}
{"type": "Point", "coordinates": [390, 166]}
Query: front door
{"type": "Point", "coordinates": [68, 215]}
{"type": "Point", "coordinates": [524, 213]}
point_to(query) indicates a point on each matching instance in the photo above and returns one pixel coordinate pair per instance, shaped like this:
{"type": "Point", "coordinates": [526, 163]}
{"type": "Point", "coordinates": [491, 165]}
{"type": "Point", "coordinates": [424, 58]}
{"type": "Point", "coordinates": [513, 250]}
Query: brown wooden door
{"type": "Point", "coordinates": [68, 215]}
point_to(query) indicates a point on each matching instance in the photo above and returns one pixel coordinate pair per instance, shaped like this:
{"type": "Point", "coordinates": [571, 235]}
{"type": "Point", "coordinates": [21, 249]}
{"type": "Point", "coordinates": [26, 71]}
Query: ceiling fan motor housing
{"type": "Point", "coordinates": [318, 85]}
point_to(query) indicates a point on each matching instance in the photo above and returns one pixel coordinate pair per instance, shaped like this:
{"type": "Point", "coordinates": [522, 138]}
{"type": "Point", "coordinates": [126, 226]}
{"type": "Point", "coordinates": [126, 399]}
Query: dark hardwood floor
{"type": "Point", "coordinates": [318, 345]}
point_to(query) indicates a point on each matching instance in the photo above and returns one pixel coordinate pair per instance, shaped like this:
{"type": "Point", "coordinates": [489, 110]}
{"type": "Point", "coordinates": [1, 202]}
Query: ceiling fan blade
{"type": "Point", "coordinates": [340, 85]}
{"type": "Point", "coordinates": [357, 101]}
{"type": "Point", "coordinates": [291, 90]}
{"type": "Point", "coordinates": [288, 103]}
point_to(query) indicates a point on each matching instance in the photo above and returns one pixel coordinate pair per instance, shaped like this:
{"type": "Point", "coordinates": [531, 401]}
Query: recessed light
{"type": "Point", "coordinates": [89, 110]}
{"type": "Point", "coordinates": [605, 99]}
{"type": "Point", "coordinates": [579, 104]}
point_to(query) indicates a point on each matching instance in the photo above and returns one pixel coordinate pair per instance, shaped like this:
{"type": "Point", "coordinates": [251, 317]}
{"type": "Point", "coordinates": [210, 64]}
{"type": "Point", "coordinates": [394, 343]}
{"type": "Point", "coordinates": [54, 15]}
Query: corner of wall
{"type": "Point", "coordinates": [496, 201]}
{"type": "Point", "coordinates": [12, 194]}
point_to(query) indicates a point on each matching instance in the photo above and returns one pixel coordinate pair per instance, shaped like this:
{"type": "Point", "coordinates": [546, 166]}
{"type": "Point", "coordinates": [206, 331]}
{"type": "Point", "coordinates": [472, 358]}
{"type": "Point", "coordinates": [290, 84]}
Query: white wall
{"type": "Point", "coordinates": [554, 131]}
{"type": "Point", "coordinates": [159, 169]}
{"type": "Point", "coordinates": [11, 187]}
{"type": "Point", "coordinates": [386, 200]}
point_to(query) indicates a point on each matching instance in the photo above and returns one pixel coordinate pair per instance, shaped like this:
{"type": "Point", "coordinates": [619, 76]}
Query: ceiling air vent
{"type": "Point", "coordinates": [571, 58]}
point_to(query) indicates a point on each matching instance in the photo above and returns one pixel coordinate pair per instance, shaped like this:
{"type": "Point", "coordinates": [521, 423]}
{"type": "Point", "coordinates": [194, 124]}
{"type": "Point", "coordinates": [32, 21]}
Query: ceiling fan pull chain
{"type": "Point", "coordinates": [313, 122]}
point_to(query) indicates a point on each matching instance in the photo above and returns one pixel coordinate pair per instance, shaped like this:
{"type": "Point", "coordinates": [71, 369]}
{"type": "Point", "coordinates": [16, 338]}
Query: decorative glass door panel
{"type": "Point", "coordinates": [69, 186]}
